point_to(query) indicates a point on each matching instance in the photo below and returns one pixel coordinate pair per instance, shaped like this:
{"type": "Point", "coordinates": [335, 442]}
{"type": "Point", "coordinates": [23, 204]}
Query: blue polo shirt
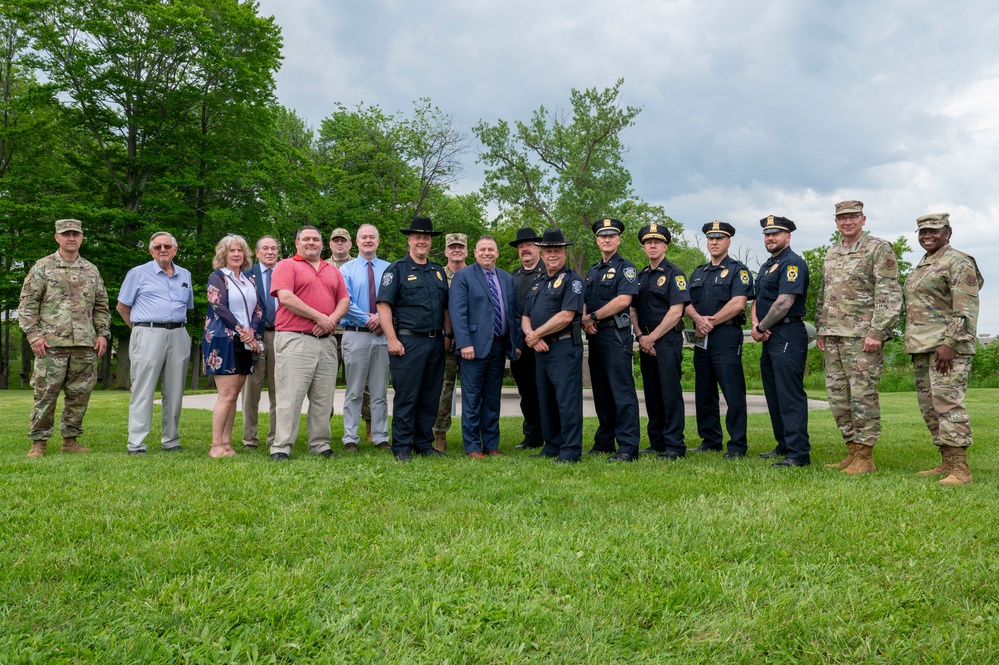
{"type": "Point", "coordinates": [156, 297]}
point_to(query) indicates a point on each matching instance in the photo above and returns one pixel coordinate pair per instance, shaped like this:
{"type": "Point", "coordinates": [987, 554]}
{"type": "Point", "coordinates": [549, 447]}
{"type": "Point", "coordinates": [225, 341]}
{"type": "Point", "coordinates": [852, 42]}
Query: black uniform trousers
{"type": "Point", "coordinates": [721, 365]}
{"type": "Point", "coordinates": [614, 397]}
{"type": "Point", "coordinates": [664, 395]}
{"type": "Point", "coordinates": [525, 374]}
{"type": "Point", "coordinates": [560, 394]}
{"type": "Point", "coordinates": [417, 377]}
{"type": "Point", "coordinates": [782, 366]}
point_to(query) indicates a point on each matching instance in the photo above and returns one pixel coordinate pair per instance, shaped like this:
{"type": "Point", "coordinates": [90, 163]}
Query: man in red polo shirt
{"type": "Point", "coordinates": [312, 299]}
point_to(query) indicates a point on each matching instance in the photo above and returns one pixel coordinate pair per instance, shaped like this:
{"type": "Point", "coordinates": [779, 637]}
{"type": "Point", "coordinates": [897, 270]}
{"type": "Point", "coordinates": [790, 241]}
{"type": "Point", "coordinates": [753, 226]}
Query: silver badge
{"type": "Point", "coordinates": [577, 287]}
{"type": "Point", "coordinates": [386, 279]}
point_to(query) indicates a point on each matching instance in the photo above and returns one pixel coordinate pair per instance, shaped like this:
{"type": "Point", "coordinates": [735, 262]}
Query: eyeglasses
{"type": "Point", "coordinates": [157, 248]}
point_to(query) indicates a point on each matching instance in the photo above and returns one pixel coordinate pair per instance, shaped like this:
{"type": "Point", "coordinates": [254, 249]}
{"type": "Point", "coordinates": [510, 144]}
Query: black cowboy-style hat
{"type": "Point", "coordinates": [525, 234]}
{"type": "Point", "coordinates": [420, 225]}
{"type": "Point", "coordinates": [553, 238]}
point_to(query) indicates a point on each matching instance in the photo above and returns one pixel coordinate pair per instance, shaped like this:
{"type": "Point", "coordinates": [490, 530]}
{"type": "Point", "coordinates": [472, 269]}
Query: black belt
{"type": "Point", "coordinates": [169, 325]}
{"type": "Point", "coordinates": [791, 319]}
{"type": "Point", "coordinates": [647, 330]}
{"type": "Point", "coordinates": [412, 333]}
{"type": "Point", "coordinates": [355, 329]}
{"type": "Point", "coordinates": [300, 332]}
{"type": "Point", "coordinates": [557, 337]}
{"type": "Point", "coordinates": [268, 327]}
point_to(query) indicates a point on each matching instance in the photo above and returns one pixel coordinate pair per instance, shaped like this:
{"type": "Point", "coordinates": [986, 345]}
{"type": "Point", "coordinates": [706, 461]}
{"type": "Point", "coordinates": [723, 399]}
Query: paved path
{"type": "Point", "coordinates": [509, 407]}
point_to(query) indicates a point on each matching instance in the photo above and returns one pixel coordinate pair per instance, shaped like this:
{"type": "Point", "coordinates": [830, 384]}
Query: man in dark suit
{"type": "Point", "coordinates": [267, 257]}
{"type": "Point", "coordinates": [484, 317]}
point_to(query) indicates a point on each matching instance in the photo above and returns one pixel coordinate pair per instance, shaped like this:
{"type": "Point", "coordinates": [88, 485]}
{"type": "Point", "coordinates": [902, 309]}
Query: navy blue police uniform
{"type": "Point", "coordinates": [720, 364]}
{"type": "Point", "coordinates": [418, 294]}
{"type": "Point", "coordinates": [560, 369]}
{"type": "Point", "coordinates": [524, 369]}
{"type": "Point", "coordinates": [782, 362]}
{"type": "Point", "coordinates": [659, 289]}
{"type": "Point", "coordinates": [610, 352]}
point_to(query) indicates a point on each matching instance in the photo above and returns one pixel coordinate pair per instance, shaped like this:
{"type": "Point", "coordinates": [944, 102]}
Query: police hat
{"type": "Point", "coordinates": [608, 227]}
{"type": "Point", "coordinates": [525, 234]}
{"type": "Point", "coordinates": [420, 225]}
{"type": "Point", "coordinates": [718, 229]}
{"type": "Point", "coordinates": [772, 224]}
{"type": "Point", "coordinates": [654, 232]}
{"type": "Point", "coordinates": [552, 238]}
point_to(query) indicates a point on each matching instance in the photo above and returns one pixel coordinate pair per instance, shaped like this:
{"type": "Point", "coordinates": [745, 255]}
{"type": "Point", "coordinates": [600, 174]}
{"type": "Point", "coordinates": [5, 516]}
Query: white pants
{"type": "Point", "coordinates": [365, 364]}
{"type": "Point", "coordinates": [303, 365]}
{"type": "Point", "coordinates": [155, 352]}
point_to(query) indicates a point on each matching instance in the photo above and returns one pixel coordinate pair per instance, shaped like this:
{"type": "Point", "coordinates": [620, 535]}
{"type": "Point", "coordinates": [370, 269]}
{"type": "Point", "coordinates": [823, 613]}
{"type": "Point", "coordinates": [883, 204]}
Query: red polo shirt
{"type": "Point", "coordinates": [320, 289]}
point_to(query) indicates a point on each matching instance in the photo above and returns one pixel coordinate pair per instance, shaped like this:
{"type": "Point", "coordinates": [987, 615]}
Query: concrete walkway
{"type": "Point", "coordinates": [509, 407]}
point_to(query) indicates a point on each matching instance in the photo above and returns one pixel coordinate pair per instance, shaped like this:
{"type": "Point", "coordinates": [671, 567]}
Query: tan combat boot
{"type": "Point", "coordinates": [37, 449]}
{"type": "Point", "coordinates": [846, 461]}
{"type": "Point", "coordinates": [863, 462]}
{"type": "Point", "coordinates": [960, 474]}
{"type": "Point", "coordinates": [70, 445]}
{"type": "Point", "coordinates": [367, 428]}
{"type": "Point", "coordinates": [942, 469]}
{"type": "Point", "coordinates": [440, 441]}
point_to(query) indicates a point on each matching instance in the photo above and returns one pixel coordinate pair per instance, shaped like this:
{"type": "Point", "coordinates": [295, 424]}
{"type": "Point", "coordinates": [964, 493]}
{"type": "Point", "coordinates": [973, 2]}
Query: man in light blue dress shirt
{"type": "Point", "coordinates": [153, 302]}
{"type": "Point", "coordinates": [267, 257]}
{"type": "Point", "coordinates": [365, 349]}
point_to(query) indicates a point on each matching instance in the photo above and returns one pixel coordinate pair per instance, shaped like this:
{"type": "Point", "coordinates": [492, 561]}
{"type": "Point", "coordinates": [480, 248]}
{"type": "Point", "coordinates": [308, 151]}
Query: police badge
{"type": "Point", "coordinates": [386, 279]}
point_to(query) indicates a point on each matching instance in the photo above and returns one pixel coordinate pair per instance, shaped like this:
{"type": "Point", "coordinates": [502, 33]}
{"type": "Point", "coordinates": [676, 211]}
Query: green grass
{"type": "Point", "coordinates": [181, 559]}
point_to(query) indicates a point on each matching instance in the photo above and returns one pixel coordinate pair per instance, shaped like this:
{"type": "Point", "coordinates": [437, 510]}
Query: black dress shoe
{"type": "Point", "coordinates": [524, 445]}
{"type": "Point", "coordinates": [538, 455]}
{"type": "Point", "coordinates": [776, 452]}
{"type": "Point", "coordinates": [670, 455]}
{"type": "Point", "coordinates": [563, 460]}
{"type": "Point", "coordinates": [597, 451]}
{"type": "Point", "coordinates": [433, 453]}
{"type": "Point", "coordinates": [733, 455]}
{"type": "Point", "coordinates": [279, 457]}
{"type": "Point", "coordinates": [648, 451]}
{"type": "Point", "coordinates": [327, 453]}
{"type": "Point", "coordinates": [136, 452]}
{"type": "Point", "coordinates": [404, 456]}
{"type": "Point", "coordinates": [704, 448]}
{"type": "Point", "coordinates": [621, 457]}
{"type": "Point", "coordinates": [792, 461]}
{"type": "Point", "coordinates": [175, 449]}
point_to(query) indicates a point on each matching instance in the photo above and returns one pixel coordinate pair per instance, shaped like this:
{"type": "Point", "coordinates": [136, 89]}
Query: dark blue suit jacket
{"type": "Point", "coordinates": [471, 309]}
{"type": "Point", "coordinates": [262, 297]}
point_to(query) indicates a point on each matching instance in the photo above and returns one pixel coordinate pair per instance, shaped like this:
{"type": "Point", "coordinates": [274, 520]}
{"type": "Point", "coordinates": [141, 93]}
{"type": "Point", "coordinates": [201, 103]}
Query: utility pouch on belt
{"type": "Point", "coordinates": [622, 320]}
{"type": "Point", "coordinates": [577, 333]}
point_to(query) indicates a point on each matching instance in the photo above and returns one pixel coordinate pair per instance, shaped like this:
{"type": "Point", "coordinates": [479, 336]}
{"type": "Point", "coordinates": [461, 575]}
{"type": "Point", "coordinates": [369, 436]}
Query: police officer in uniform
{"type": "Point", "coordinates": [412, 308]}
{"type": "Point", "coordinates": [610, 285]}
{"type": "Point", "coordinates": [552, 327]}
{"type": "Point", "coordinates": [524, 369]}
{"type": "Point", "coordinates": [778, 322]}
{"type": "Point", "coordinates": [719, 291]}
{"type": "Point", "coordinates": [656, 314]}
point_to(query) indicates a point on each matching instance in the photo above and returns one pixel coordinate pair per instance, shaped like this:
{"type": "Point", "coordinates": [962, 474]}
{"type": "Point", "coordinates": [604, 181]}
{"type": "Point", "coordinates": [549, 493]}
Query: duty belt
{"type": "Point", "coordinates": [791, 319]}
{"type": "Point", "coordinates": [412, 333]}
{"type": "Point", "coordinates": [557, 337]}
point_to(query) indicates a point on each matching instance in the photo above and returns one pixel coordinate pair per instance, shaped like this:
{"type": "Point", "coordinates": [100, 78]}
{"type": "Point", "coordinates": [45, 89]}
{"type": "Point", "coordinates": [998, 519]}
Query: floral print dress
{"type": "Point", "coordinates": [218, 344]}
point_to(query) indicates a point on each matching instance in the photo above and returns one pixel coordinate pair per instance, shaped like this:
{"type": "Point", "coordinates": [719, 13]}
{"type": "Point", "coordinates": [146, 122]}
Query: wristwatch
{"type": "Point", "coordinates": [759, 330]}
{"type": "Point", "coordinates": [593, 315]}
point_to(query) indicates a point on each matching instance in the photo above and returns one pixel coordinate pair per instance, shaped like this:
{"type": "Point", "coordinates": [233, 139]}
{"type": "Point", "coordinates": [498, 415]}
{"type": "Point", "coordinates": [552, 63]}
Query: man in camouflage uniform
{"type": "Point", "coordinates": [456, 251]}
{"type": "Point", "coordinates": [941, 321]}
{"type": "Point", "coordinates": [64, 314]}
{"type": "Point", "coordinates": [859, 302]}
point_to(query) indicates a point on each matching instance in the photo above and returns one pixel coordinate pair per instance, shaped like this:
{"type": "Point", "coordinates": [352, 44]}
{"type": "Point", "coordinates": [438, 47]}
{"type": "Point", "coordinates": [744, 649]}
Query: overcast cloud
{"type": "Point", "coordinates": [748, 109]}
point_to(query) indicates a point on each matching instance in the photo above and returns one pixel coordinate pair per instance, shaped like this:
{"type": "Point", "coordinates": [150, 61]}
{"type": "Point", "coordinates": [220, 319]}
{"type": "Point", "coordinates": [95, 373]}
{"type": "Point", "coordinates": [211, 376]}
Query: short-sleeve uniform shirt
{"type": "Point", "coordinates": [561, 292]}
{"type": "Point", "coordinates": [711, 287]}
{"type": "Point", "coordinates": [785, 273]}
{"type": "Point", "coordinates": [659, 289]}
{"type": "Point", "coordinates": [606, 280]}
{"type": "Point", "coordinates": [417, 292]}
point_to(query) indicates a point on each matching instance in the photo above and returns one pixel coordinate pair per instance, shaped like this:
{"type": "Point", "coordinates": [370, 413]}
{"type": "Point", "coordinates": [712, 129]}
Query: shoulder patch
{"type": "Point", "coordinates": [744, 276]}
{"type": "Point", "coordinates": [386, 278]}
{"type": "Point", "coordinates": [971, 280]}
{"type": "Point", "coordinates": [792, 273]}
{"type": "Point", "coordinates": [577, 286]}
{"type": "Point", "coordinates": [890, 264]}
{"type": "Point", "coordinates": [630, 273]}
{"type": "Point", "coordinates": [681, 283]}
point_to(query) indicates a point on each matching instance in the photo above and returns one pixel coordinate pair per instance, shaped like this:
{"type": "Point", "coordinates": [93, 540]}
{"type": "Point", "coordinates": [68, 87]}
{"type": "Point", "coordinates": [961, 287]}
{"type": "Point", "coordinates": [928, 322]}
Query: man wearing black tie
{"type": "Point", "coordinates": [267, 257]}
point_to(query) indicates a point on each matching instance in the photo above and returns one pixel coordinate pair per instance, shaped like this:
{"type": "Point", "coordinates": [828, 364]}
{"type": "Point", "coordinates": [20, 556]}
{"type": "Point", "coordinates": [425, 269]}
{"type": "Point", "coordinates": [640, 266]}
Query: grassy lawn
{"type": "Point", "coordinates": [183, 559]}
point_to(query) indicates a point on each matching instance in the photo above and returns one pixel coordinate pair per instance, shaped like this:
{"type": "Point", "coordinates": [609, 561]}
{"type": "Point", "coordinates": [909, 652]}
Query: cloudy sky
{"type": "Point", "coordinates": [748, 108]}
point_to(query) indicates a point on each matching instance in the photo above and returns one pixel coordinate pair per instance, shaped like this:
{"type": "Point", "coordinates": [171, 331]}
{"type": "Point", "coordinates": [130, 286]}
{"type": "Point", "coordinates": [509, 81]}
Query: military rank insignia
{"type": "Point", "coordinates": [792, 273]}
{"type": "Point", "coordinates": [681, 283]}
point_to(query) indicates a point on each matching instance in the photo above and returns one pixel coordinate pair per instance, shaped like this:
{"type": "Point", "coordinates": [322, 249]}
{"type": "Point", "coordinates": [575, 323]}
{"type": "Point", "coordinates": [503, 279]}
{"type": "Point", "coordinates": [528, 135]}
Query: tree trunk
{"type": "Point", "coordinates": [5, 352]}
{"type": "Point", "coordinates": [26, 356]}
{"type": "Point", "coordinates": [124, 381]}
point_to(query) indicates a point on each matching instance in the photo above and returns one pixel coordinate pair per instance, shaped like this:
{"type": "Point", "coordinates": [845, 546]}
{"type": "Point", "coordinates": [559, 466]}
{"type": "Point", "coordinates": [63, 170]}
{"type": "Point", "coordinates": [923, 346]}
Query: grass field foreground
{"type": "Point", "coordinates": [179, 558]}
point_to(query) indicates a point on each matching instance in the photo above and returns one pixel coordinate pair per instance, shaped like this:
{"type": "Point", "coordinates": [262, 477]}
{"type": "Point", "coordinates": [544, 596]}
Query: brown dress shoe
{"type": "Point", "coordinates": [350, 447]}
{"type": "Point", "coordinates": [384, 445]}
{"type": "Point", "coordinates": [494, 453]}
{"type": "Point", "coordinates": [476, 455]}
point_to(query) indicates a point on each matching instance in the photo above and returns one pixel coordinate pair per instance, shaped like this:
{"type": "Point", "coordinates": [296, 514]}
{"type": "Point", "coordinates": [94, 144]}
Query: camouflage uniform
{"type": "Point", "coordinates": [859, 297]}
{"type": "Point", "coordinates": [66, 304]}
{"type": "Point", "coordinates": [942, 309]}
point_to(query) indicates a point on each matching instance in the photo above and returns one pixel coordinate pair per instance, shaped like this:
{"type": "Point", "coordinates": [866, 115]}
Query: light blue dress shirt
{"type": "Point", "coordinates": [355, 275]}
{"type": "Point", "coordinates": [156, 297]}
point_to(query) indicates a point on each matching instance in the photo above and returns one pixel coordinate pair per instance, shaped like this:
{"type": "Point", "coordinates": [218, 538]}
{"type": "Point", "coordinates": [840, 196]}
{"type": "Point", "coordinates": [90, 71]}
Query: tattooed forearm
{"type": "Point", "coordinates": [778, 310]}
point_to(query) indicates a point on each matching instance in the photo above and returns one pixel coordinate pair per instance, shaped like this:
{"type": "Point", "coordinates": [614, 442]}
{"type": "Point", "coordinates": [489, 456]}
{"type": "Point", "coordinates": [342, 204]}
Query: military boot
{"type": "Point", "coordinates": [37, 449]}
{"type": "Point", "coordinates": [846, 461]}
{"type": "Point", "coordinates": [367, 428]}
{"type": "Point", "coordinates": [942, 469]}
{"type": "Point", "coordinates": [69, 445]}
{"type": "Point", "coordinates": [863, 462]}
{"type": "Point", "coordinates": [960, 474]}
{"type": "Point", "coordinates": [440, 441]}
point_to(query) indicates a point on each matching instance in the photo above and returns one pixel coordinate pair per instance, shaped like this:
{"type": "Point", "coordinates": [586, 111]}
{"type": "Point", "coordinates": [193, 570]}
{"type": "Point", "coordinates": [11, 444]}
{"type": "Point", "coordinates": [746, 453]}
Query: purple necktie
{"type": "Point", "coordinates": [371, 289]}
{"type": "Point", "coordinates": [494, 291]}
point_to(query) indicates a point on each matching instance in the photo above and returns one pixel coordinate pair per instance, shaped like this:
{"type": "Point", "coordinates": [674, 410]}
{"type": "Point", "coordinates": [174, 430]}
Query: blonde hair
{"type": "Point", "coordinates": [223, 246]}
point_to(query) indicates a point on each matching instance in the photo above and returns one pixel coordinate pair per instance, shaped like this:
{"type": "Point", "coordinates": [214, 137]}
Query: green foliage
{"type": "Point", "coordinates": [178, 558]}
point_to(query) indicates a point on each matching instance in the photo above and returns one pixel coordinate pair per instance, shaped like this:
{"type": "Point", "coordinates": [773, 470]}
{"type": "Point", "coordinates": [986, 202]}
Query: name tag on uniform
{"type": "Point", "coordinates": [411, 278]}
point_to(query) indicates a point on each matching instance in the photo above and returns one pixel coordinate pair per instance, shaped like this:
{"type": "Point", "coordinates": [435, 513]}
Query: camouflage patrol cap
{"type": "Point", "coordinates": [456, 239]}
{"type": "Point", "coordinates": [340, 233]}
{"type": "Point", "coordinates": [63, 225]}
{"type": "Point", "coordinates": [937, 220]}
{"type": "Point", "coordinates": [849, 207]}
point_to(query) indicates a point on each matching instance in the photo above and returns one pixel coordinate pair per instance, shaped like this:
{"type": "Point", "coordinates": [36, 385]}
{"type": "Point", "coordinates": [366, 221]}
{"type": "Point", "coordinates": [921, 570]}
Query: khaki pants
{"type": "Point", "coordinates": [263, 370]}
{"type": "Point", "coordinates": [304, 365]}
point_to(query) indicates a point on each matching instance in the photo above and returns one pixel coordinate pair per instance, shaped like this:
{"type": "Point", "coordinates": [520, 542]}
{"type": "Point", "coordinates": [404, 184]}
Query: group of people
{"type": "Point", "coordinates": [293, 322]}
